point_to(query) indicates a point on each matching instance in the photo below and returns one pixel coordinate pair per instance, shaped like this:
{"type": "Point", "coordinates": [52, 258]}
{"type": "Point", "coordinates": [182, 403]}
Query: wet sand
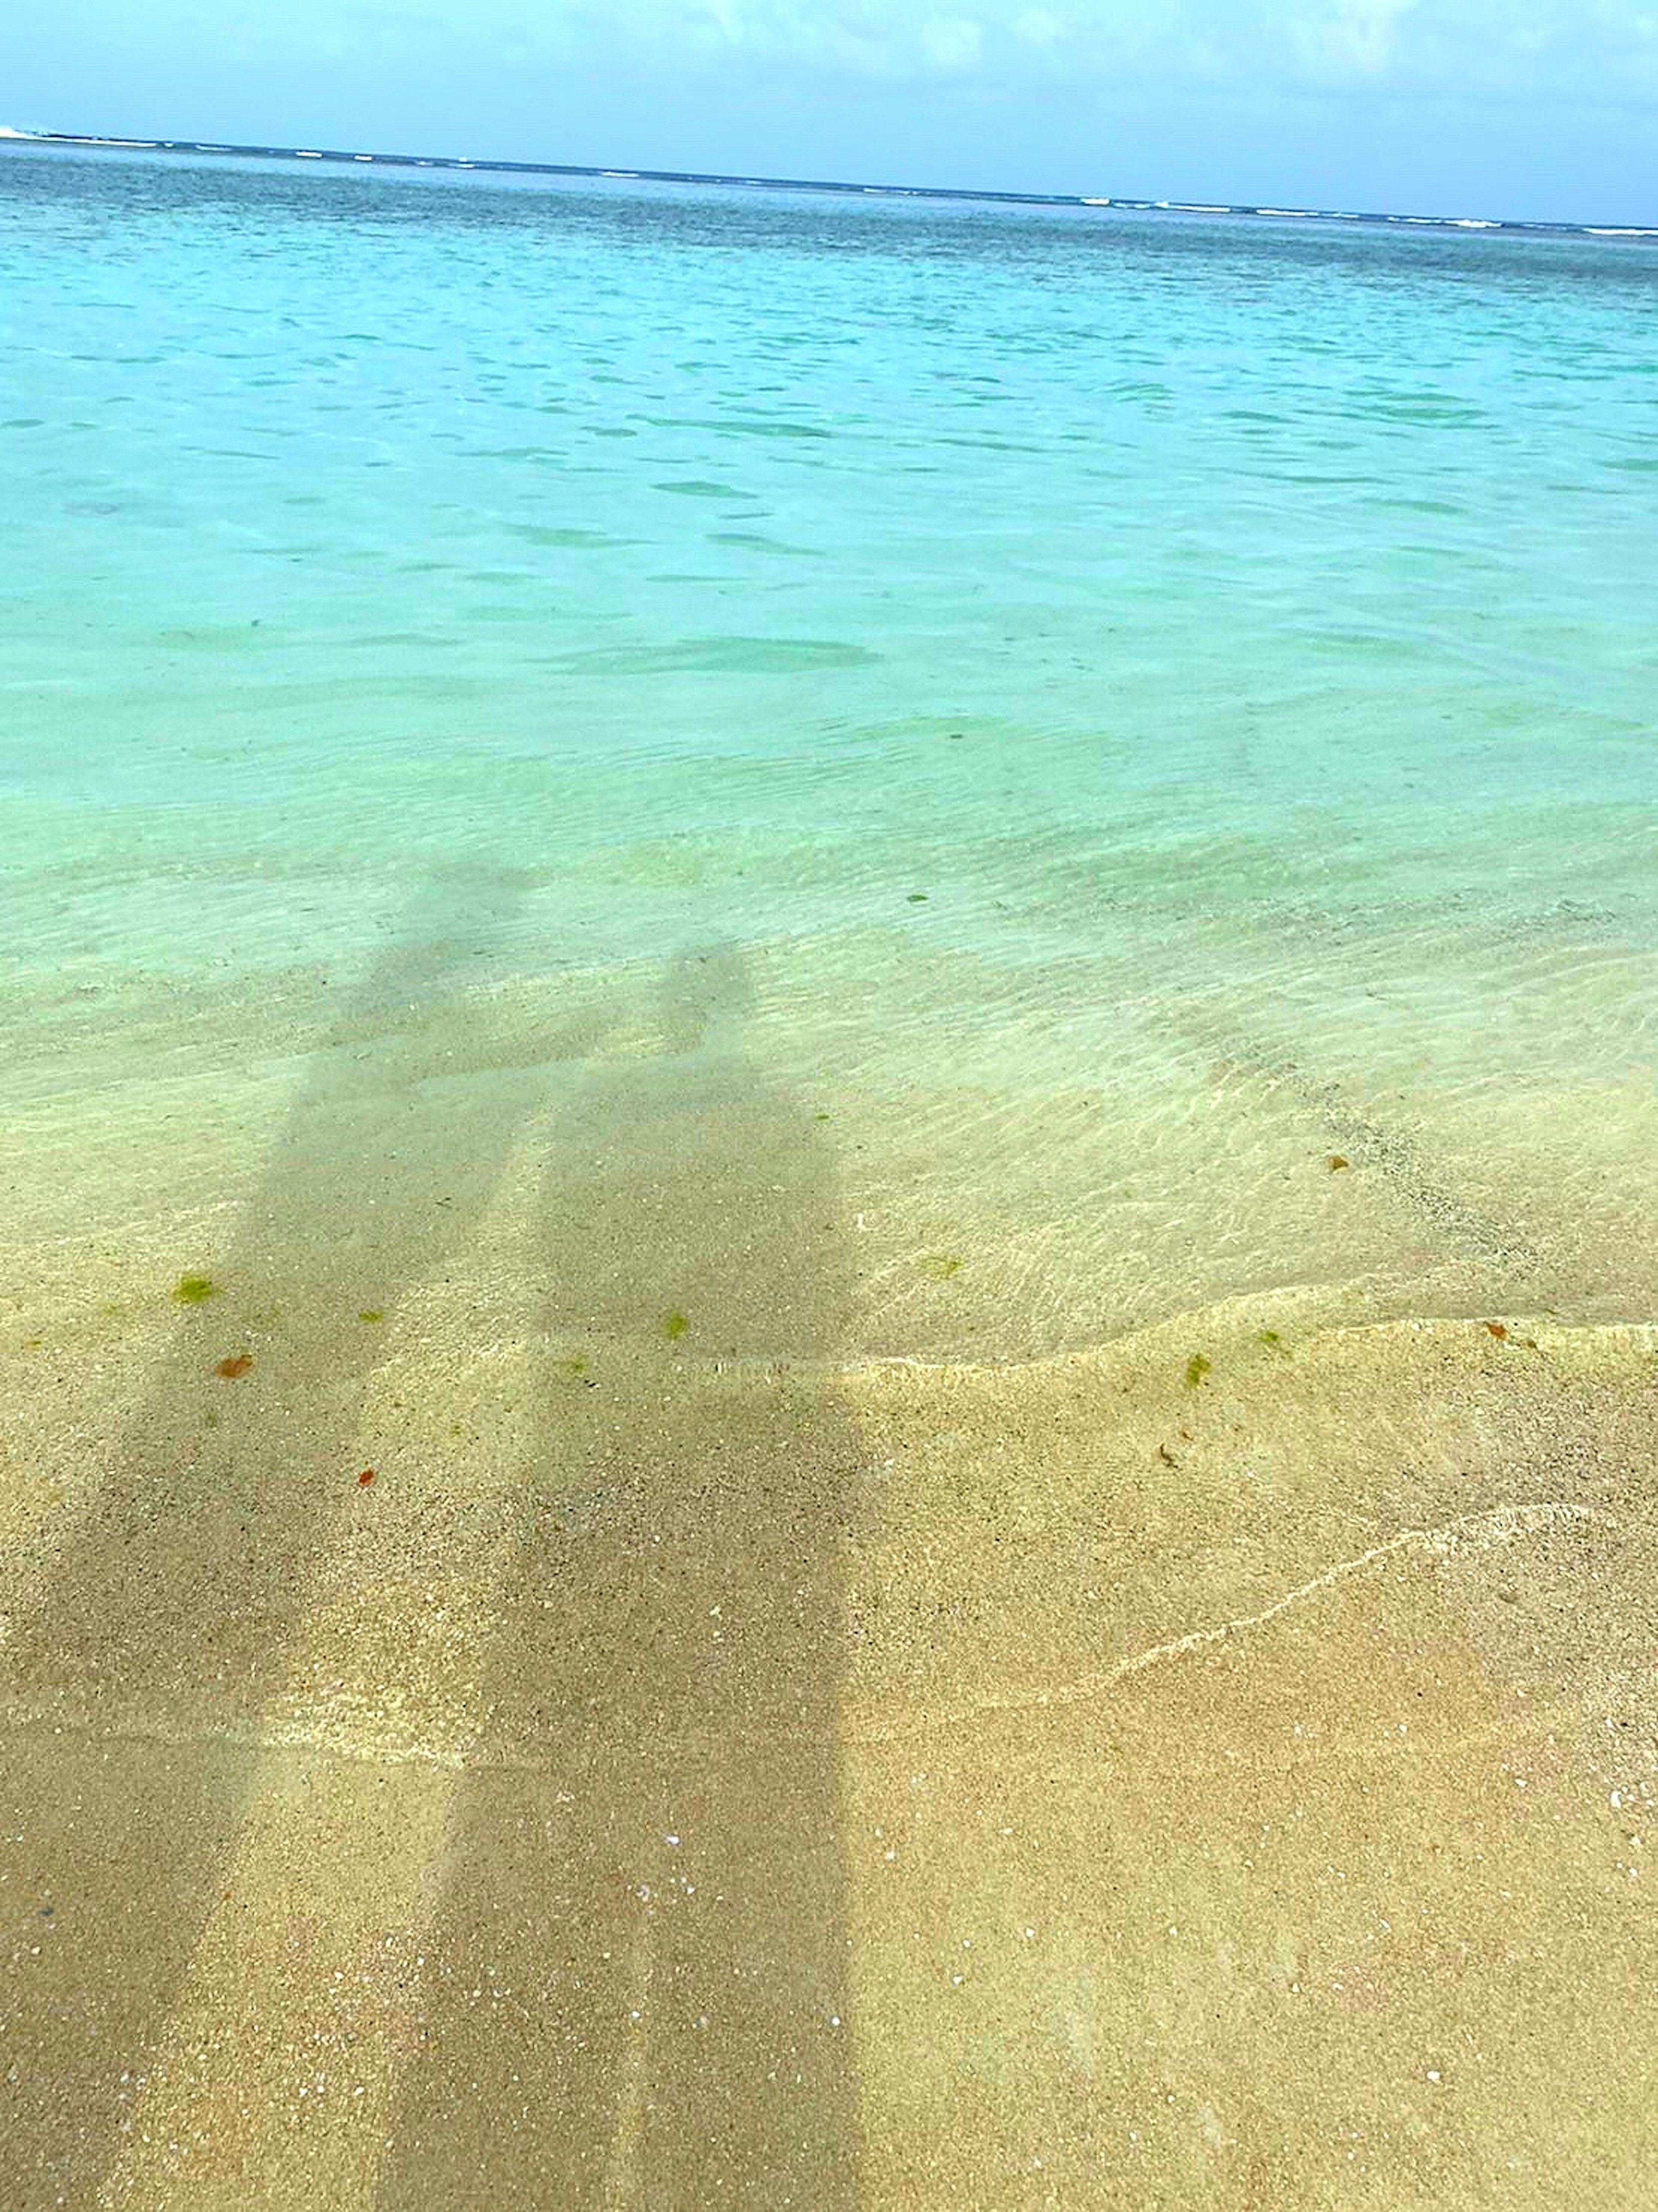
{"type": "Point", "coordinates": [708, 1764]}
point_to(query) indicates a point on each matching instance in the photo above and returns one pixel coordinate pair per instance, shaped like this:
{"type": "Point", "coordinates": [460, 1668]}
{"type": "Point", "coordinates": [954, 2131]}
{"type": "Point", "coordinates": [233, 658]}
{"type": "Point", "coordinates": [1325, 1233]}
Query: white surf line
{"type": "Point", "coordinates": [1477, 1532]}
{"type": "Point", "coordinates": [314, 1742]}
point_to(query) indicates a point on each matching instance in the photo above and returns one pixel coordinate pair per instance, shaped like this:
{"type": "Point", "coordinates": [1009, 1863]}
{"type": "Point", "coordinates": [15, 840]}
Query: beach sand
{"type": "Point", "coordinates": [711, 1761]}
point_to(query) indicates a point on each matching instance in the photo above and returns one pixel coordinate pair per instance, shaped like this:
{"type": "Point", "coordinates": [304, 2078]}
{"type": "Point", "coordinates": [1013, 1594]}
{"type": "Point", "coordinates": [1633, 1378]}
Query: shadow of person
{"type": "Point", "coordinates": [636, 1984]}
{"type": "Point", "coordinates": [144, 1674]}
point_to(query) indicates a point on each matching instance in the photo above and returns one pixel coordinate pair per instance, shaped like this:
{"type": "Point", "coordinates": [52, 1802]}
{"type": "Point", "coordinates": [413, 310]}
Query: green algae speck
{"type": "Point", "coordinates": [918, 898]}
{"type": "Point", "coordinates": [674, 1326]}
{"type": "Point", "coordinates": [195, 1290]}
{"type": "Point", "coordinates": [1196, 1368]}
{"type": "Point", "coordinates": [371, 1313]}
{"type": "Point", "coordinates": [570, 1370]}
{"type": "Point", "coordinates": [939, 1267]}
{"type": "Point", "coordinates": [1274, 1341]}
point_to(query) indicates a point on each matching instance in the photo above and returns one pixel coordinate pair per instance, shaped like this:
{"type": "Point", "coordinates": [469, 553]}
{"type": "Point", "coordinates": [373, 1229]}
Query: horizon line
{"type": "Point", "coordinates": [11, 137]}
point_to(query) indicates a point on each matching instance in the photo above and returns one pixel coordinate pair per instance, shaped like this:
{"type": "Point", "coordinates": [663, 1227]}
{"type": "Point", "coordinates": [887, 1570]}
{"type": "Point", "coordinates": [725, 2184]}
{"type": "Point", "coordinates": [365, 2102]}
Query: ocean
{"type": "Point", "coordinates": [784, 973]}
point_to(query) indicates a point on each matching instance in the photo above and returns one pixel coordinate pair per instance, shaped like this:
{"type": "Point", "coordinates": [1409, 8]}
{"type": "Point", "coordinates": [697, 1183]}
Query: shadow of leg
{"type": "Point", "coordinates": [635, 1987]}
{"type": "Point", "coordinates": [137, 1690]}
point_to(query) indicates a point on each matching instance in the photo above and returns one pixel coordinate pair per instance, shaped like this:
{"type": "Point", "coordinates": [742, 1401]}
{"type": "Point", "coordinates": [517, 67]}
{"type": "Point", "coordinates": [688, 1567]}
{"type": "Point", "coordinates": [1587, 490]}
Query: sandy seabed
{"type": "Point", "coordinates": [715, 1761]}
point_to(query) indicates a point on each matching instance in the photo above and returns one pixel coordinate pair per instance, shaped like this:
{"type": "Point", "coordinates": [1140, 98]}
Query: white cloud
{"type": "Point", "coordinates": [951, 44]}
{"type": "Point", "coordinates": [1460, 48]}
{"type": "Point", "coordinates": [1354, 37]}
{"type": "Point", "coordinates": [1581, 50]}
{"type": "Point", "coordinates": [1038, 26]}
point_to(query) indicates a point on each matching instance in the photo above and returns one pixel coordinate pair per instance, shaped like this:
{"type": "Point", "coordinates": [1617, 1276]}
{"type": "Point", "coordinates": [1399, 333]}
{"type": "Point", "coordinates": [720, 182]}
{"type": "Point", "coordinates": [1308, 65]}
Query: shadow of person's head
{"type": "Point", "coordinates": [707, 997]}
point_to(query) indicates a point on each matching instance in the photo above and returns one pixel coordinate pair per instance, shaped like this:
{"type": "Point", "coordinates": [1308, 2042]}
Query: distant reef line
{"type": "Point", "coordinates": [981, 195]}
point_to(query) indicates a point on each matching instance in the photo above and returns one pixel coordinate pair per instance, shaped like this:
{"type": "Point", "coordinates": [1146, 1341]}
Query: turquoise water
{"type": "Point", "coordinates": [1152, 706]}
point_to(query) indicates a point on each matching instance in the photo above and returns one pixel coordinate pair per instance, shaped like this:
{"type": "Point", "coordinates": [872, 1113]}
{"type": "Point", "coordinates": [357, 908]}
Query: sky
{"type": "Point", "coordinates": [1533, 109]}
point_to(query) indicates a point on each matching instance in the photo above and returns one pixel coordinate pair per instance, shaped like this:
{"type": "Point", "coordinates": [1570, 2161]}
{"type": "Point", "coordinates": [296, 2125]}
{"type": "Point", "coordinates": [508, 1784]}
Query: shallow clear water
{"type": "Point", "coordinates": [1151, 705]}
